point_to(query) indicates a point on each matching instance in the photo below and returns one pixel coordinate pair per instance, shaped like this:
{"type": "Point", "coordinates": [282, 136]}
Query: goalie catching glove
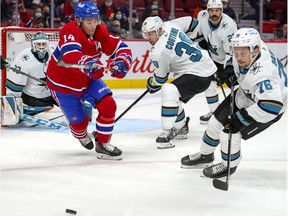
{"type": "Point", "coordinates": [151, 87]}
{"type": "Point", "coordinates": [237, 121]}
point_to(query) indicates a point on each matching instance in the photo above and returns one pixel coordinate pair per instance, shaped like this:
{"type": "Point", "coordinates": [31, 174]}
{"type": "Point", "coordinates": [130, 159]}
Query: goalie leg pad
{"type": "Point", "coordinates": [11, 110]}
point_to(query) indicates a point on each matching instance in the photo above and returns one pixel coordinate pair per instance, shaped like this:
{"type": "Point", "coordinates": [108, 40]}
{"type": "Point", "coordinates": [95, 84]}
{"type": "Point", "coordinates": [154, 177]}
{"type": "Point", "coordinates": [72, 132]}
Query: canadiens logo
{"type": "Point", "coordinates": [74, 118]}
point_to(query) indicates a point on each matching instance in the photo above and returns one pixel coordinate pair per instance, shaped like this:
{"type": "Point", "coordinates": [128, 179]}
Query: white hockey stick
{"type": "Point", "coordinates": [5, 64]}
{"type": "Point", "coordinates": [79, 66]}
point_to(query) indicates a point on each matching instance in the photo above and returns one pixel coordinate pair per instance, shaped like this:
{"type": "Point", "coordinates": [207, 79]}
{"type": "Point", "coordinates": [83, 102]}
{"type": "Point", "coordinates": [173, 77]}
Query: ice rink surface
{"type": "Point", "coordinates": [44, 172]}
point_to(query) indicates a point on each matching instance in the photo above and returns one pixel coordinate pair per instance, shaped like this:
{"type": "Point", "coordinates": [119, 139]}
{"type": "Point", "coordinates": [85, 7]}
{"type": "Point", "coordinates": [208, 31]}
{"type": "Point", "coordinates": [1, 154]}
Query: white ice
{"type": "Point", "coordinates": [44, 172]}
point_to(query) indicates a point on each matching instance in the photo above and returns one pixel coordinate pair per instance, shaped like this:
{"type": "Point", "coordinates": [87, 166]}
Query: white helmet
{"type": "Point", "coordinates": [152, 24]}
{"type": "Point", "coordinates": [39, 44]}
{"type": "Point", "coordinates": [246, 37]}
{"type": "Point", "coordinates": [215, 4]}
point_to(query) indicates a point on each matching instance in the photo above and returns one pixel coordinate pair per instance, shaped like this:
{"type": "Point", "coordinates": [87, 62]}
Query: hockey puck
{"type": "Point", "coordinates": [70, 211]}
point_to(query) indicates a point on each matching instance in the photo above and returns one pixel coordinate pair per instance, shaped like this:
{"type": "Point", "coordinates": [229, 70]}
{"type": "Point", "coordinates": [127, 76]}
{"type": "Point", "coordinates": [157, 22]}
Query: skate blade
{"type": "Point", "coordinates": [181, 137]}
{"type": "Point", "coordinates": [199, 166]}
{"type": "Point", "coordinates": [203, 122]}
{"type": "Point", "coordinates": [165, 145]}
{"type": "Point", "coordinates": [108, 157]}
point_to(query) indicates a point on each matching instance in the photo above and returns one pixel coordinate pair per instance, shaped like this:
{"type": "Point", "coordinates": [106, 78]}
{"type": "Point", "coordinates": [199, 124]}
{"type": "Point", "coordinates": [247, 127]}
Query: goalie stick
{"type": "Point", "coordinates": [216, 182]}
{"type": "Point", "coordinates": [5, 64]}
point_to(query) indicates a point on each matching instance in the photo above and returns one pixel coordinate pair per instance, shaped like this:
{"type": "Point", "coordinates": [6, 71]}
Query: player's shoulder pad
{"type": "Point", "coordinates": [227, 23]}
{"type": "Point", "coordinates": [202, 14]}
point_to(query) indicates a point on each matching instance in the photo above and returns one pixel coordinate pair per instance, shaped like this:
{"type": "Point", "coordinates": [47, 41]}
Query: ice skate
{"type": "Point", "coordinates": [217, 171]}
{"type": "Point", "coordinates": [165, 138]}
{"type": "Point", "coordinates": [205, 118]}
{"type": "Point", "coordinates": [87, 141]}
{"type": "Point", "coordinates": [182, 133]}
{"type": "Point", "coordinates": [197, 160]}
{"type": "Point", "coordinates": [107, 151]}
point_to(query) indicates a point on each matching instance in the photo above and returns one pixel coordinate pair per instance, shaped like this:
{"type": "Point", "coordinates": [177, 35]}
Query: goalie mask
{"type": "Point", "coordinates": [39, 44]}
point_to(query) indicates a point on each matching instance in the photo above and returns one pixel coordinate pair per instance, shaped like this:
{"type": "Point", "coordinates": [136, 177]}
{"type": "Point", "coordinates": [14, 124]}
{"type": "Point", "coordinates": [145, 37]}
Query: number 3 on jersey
{"type": "Point", "coordinates": [195, 54]}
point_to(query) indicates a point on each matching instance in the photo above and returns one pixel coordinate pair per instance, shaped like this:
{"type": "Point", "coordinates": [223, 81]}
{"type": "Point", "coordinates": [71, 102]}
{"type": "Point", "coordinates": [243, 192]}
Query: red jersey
{"type": "Point", "coordinates": [73, 47]}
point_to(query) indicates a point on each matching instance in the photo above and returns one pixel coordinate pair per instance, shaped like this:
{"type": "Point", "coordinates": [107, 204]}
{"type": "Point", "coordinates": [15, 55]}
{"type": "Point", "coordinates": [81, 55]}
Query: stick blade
{"type": "Point", "coordinates": [220, 184]}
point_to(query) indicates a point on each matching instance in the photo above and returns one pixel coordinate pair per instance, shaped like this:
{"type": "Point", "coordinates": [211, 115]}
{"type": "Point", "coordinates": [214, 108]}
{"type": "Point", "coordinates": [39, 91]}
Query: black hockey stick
{"type": "Point", "coordinates": [5, 64]}
{"type": "Point", "coordinates": [135, 102]}
{"type": "Point", "coordinates": [216, 182]}
{"type": "Point", "coordinates": [221, 86]}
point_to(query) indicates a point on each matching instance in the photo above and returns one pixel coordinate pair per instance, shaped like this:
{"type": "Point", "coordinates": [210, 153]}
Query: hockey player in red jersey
{"type": "Point", "coordinates": [82, 43]}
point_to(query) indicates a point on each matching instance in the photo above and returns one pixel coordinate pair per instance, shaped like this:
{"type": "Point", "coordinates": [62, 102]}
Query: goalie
{"type": "Point", "coordinates": [26, 81]}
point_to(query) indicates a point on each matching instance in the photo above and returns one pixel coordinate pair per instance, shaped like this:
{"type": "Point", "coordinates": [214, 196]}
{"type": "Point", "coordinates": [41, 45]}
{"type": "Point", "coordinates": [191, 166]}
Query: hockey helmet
{"type": "Point", "coordinates": [152, 24]}
{"type": "Point", "coordinates": [215, 4]}
{"type": "Point", "coordinates": [39, 44]}
{"type": "Point", "coordinates": [246, 37]}
{"type": "Point", "coordinates": [87, 10]}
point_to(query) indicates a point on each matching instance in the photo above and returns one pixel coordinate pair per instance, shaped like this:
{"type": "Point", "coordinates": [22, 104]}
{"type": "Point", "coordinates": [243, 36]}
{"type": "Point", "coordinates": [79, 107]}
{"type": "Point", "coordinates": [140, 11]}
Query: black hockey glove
{"type": "Point", "coordinates": [226, 76]}
{"type": "Point", "coordinates": [237, 122]}
{"type": "Point", "coordinates": [152, 88]}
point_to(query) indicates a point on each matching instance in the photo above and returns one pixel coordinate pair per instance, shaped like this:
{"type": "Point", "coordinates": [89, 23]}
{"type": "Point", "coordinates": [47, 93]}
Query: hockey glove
{"type": "Point", "coordinates": [152, 88]}
{"type": "Point", "coordinates": [226, 76]}
{"type": "Point", "coordinates": [4, 63]}
{"type": "Point", "coordinates": [119, 69]}
{"type": "Point", "coordinates": [237, 122]}
{"type": "Point", "coordinates": [94, 72]}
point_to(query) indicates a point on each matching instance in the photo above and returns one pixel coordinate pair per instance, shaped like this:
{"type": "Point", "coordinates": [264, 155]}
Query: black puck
{"type": "Point", "coordinates": [70, 211]}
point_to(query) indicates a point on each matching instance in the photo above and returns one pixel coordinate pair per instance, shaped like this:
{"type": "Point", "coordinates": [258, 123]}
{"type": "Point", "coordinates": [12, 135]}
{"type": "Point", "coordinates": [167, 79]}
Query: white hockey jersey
{"type": "Point", "coordinates": [263, 87]}
{"type": "Point", "coordinates": [176, 53]}
{"type": "Point", "coordinates": [218, 38]}
{"type": "Point", "coordinates": [26, 62]}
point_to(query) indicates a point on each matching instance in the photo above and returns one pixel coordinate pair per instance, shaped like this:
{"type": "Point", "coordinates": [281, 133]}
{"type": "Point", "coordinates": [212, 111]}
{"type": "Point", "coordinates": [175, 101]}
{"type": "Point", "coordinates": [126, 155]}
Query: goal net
{"type": "Point", "coordinates": [15, 39]}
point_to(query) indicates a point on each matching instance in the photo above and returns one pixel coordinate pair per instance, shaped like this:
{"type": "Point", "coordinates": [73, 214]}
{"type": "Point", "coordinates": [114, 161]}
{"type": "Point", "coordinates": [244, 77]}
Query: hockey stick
{"type": "Point", "coordinates": [5, 64]}
{"type": "Point", "coordinates": [221, 86]}
{"type": "Point", "coordinates": [79, 66]}
{"type": "Point", "coordinates": [216, 182]}
{"type": "Point", "coordinates": [135, 102]}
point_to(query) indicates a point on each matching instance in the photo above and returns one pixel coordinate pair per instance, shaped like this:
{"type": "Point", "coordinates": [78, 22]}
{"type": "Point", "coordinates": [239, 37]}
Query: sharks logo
{"type": "Point", "coordinates": [255, 68]}
{"type": "Point", "coordinates": [224, 25]}
{"type": "Point", "coordinates": [25, 57]}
